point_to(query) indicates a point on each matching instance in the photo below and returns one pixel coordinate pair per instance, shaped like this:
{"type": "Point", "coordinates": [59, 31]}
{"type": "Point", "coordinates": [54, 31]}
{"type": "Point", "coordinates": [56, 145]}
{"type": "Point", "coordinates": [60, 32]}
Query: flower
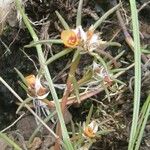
{"type": "Point", "coordinates": [78, 37]}
{"type": "Point", "coordinates": [35, 87]}
{"type": "Point", "coordinates": [69, 38]}
{"type": "Point", "coordinates": [90, 130]}
{"type": "Point", "coordinates": [101, 72]}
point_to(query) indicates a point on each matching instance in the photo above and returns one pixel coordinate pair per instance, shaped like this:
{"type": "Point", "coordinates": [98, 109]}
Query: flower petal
{"type": "Point", "coordinates": [94, 126]}
{"type": "Point", "coordinates": [94, 39]}
{"type": "Point", "coordinates": [38, 84]}
{"type": "Point", "coordinates": [69, 38]}
{"type": "Point", "coordinates": [88, 132]}
{"type": "Point", "coordinates": [30, 80]}
{"type": "Point", "coordinates": [80, 33]}
{"type": "Point", "coordinates": [42, 96]}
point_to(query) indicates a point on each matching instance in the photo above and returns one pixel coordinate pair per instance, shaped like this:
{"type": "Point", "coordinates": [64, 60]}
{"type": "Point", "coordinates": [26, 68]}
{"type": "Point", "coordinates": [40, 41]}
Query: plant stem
{"type": "Point", "coordinates": [47, 76]}
{"type": "Point", "coordinates": [66, 94]}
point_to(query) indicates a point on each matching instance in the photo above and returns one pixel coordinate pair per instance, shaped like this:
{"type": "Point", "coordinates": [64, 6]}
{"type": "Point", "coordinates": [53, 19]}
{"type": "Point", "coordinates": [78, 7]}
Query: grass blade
{"type": "Point", "coordinates": [9, 141]}
{"type": "Point", "coordinates": [79, 13]}
{"type": "Point", "coordinates": [143, 124]}
{"type": "Point", "coordinates": [62, 20]}
{"type": "Point", "coordinates": [137, 85]}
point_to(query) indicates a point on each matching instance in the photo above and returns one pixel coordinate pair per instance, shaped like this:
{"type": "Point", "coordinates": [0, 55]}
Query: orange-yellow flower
{"type": "Point", "coordinates": [72, 38]}
{"type": "Point", "coordinates": [90, 130]}
{"type": "Point", "coordinates": [35, 88]}
{"type": "Point", "coordinates": [89, 34]}
{"type": "Point", "coordinates": [69, 38]}
{"type": "Point", "coordinates": [30, 80]}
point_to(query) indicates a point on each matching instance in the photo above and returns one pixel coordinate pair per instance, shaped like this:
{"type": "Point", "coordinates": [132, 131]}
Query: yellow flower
{"type": "Point", "coordinates": [69, 38]}
{"type": "Point", "coordinates": [72, 38]}
{"type": "Point", "coordinates": [30, 80]}
{"type": "Point", "coordinates": [90, 130]}
{"type": "Point", "coordinates": [35, 88]}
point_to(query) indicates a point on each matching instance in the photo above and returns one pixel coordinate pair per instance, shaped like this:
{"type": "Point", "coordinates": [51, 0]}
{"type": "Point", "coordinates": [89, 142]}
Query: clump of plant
{"type": "Point", "coordinates": [99, 76]}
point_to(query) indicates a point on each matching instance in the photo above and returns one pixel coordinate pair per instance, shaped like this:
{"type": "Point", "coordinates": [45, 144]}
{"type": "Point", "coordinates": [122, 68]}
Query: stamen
{"type": "Point", "coordinates": [69, 38]}
{"type": "Point", "coordinates": [89, 132]}
{"type": "Point", "coordinates": [72, 40]}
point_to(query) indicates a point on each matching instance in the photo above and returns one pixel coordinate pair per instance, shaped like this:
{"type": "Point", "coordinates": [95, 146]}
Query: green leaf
{"type": "Point", "coordinates": [142, 123]}
{"type": "Point", "coordinates": [146, 51]}
{"type": "Point", "coordinates": [76, 88]}
{"type": "Point", "coordinates": [106, 91]}
{"type": "Point", "coordinates": [58, 55]}
{"type": "Point", "coordinates": [47, 75]}
{"type": "Point", "coordinates": [23, 86]}
{"type": "Point", "coordinates": [88, 118]}
{"type": "Point", "coordinates": [103, 18]}
{"type": "Point", "coordinates": [50, 41]}
{"type": "Point", "coordinates": [100, 59]}
{"type": "Point", "coordinates": [21, 76]}
{"type": "Point", "coordinates": [79, 13]}
{"type": "Point", "coordinates": [62, 20]}
{"type": "Point", "coordinates": [137, 69]}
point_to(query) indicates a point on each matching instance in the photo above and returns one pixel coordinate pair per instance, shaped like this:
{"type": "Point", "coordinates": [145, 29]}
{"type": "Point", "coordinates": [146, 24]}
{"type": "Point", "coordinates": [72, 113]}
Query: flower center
{"type": "Point", "coordinates": [69, 38]}
{"type": "Point", "coordinates": [89, 132]}
{"type": "Point", "coordinates": [72, 40]}
{"type": "Point", "coordinates": [89, 34]}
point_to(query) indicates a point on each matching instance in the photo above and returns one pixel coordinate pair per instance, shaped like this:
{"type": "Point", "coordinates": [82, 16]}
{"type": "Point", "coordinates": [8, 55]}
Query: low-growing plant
{"type": "Point", "coordinates": [99, 75]}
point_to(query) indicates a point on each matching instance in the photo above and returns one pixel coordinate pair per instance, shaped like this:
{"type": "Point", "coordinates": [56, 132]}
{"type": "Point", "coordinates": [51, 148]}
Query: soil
{"type": "Point", "coordinates": [117, 113]}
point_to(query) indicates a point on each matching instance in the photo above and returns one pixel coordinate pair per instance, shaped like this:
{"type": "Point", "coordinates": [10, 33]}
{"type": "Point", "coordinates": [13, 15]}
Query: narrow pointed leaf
{"type": "Point", "coordinates": [88, 118]}
{"type": "Point", "coordinates": [76, 88]}
{"type": "Point", "coordinates": [58, 55]}
{"type": "Point", "coordinates": [62, 20]}
{"type": "Point", "coordinates": [104, 17]}
{"type": "Point", "coordinates": [21, 76]}
{"type": "Point", "coordinates": [79, 13]}
{"type": "Point", "coordinates": [50, 41]}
